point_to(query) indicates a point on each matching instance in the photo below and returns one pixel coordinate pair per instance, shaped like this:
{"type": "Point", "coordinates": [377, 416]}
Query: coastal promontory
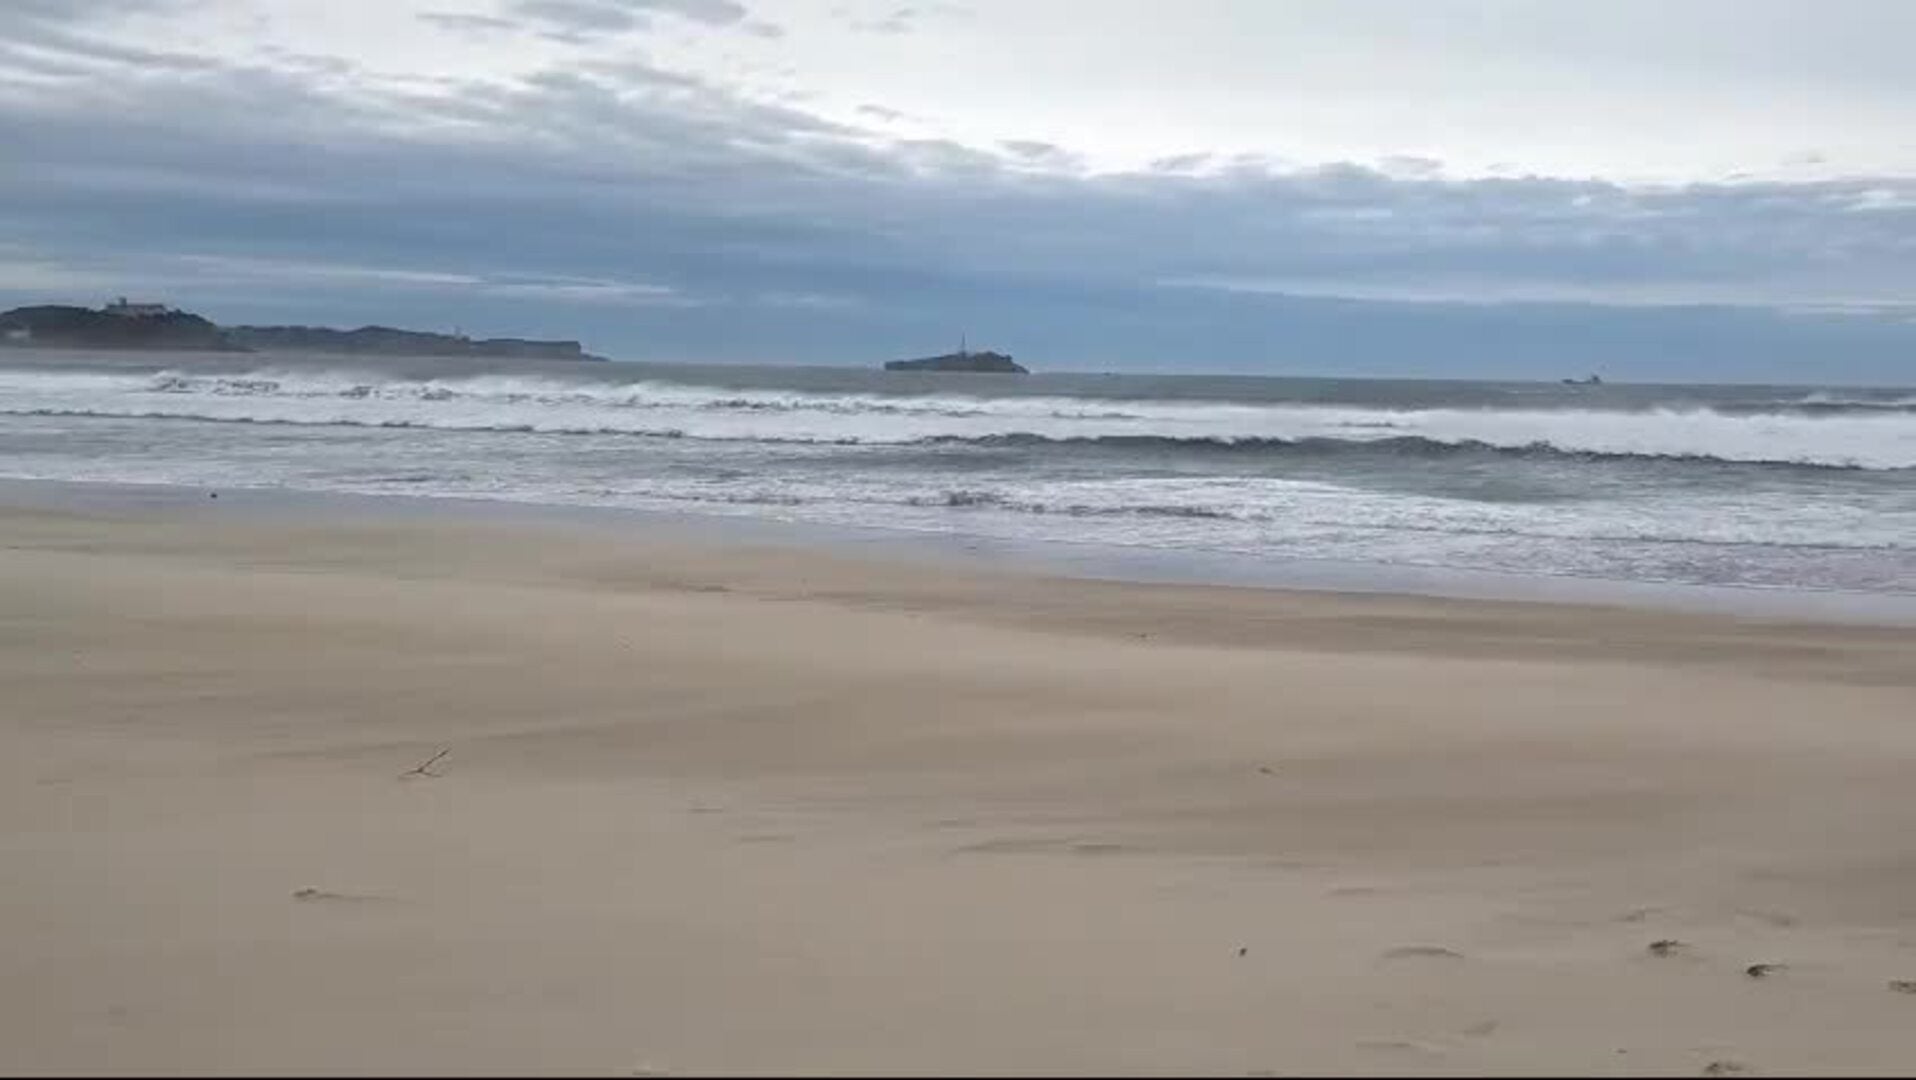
{"type": "Point", "coordinates": [135, 326]}
{"type": "Point", "coordinates": [117, 326]}
{"type": "Point", "coordinates": [387, 341]}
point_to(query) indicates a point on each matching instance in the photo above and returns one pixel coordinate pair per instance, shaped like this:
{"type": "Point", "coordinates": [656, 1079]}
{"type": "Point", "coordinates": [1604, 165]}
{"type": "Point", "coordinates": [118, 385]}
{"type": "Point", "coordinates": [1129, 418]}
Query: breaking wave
{"type": "Point", "coordinates": [1810, 432]}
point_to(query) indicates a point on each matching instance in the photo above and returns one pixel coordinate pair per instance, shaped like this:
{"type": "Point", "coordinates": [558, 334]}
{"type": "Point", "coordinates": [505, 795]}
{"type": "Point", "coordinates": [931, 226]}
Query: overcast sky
{"type": "Point", "coordinates": [1710, 189]}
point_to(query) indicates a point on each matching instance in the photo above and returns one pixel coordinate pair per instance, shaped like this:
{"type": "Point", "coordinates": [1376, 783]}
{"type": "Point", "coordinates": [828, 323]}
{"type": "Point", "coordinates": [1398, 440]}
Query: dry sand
{"type": "Point", "coordinates": [714, 807]}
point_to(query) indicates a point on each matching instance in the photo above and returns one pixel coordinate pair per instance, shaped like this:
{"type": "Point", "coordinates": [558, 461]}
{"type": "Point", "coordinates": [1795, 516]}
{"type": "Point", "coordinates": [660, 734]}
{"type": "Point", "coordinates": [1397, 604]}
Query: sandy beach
{"type": "Point", "coordinates": [711, 807]}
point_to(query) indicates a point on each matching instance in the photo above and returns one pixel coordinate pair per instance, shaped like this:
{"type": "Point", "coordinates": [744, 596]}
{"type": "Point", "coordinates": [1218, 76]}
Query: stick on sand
{"type": "Point", "coordinates": [424, 768]}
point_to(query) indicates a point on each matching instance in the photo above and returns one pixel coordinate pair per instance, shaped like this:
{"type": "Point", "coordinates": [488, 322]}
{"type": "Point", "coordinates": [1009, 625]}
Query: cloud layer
{"type": "Point", "coordinates": [672, 211]}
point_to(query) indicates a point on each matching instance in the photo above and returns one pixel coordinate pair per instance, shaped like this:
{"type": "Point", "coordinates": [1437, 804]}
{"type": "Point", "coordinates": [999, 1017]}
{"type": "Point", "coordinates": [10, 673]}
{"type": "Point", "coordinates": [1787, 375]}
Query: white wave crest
{"type": "Point", "coordinates": [542, 404]}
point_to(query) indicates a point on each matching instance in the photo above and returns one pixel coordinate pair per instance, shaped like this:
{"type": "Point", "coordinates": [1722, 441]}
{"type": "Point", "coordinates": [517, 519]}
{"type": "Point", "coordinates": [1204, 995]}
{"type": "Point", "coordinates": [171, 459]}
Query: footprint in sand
{"type": "Point", "coordinates": [1903, 986]}
{"type": "Point", "coordinates": [1763, 971]}
{"type": "Point", "coordinates": [1668, 947]}
{"type": "Point", "coordinates": [1422, 952]}
{"type": "Point", "coordinates": [313, 896]}
{"type": "Point", "coordinates": [1726, 1068]}
{"type": "Point", "coordinates": [1397, 1046]}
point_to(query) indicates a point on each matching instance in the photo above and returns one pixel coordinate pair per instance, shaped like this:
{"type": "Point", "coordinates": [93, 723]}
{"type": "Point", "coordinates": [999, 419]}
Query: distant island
{"type": "Point", "coordinates": [1593, 380]}
{"type": "Point", "coordinates": [124, 325]}
{"type": "Point", "coordinates": [962, 360]}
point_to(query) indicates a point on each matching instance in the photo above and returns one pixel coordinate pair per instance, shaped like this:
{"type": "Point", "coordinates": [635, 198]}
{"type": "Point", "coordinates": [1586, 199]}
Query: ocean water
{"type": "Point", "coordinates": [1780, 487]}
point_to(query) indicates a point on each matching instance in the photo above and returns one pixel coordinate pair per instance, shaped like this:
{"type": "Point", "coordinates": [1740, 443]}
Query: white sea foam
{"type": "Point", "coordinates": [1881, 440]}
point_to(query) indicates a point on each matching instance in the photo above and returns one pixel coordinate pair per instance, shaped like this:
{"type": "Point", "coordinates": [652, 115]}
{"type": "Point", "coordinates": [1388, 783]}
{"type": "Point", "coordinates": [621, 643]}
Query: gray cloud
{"type": "Point", "coordinates": [687, 147]}
{"type": "Point", "coordinates": [67, 11]}
{"type": "Point", "coordinates": [1042, 154]}
{"type": "Point", "coordinates": [899, 21]}
{"type": "Point", "coordinates": [716, 12]}
{"type": "Point", "coordinates": [575, 20]}
{"type": "Point", "coordinates": [64, 47]}
{"type": "Point", "coordinates": [904, 19]}
{"type": "Point", "coordinates": [619, 185]}
{"type": "Point", "coordinates": [466, 22]}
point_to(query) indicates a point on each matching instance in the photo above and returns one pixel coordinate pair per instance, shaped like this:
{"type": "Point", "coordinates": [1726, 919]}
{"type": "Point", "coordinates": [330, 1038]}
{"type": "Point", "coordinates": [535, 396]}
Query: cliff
{"type": "Point", "coordinates": [996, 363]}
{"type": "Point", "coordinates": [61, 326]}
{"type": "Point", "coordinates": [387, 341]}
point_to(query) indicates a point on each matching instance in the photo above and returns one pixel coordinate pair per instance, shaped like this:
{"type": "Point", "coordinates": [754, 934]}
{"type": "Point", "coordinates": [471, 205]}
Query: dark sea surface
{"type": "Point", "coordinates": [1754, 486]}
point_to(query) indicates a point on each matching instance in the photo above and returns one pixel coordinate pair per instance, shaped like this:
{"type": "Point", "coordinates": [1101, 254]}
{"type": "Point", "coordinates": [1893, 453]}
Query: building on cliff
{"type": "Point", "coordinates": [125, 310]}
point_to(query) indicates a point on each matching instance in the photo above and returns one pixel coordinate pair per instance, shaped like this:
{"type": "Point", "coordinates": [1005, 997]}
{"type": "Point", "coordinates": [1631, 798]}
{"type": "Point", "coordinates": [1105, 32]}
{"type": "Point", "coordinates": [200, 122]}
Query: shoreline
{"type": "Point", "coordinates": [159, 358]}
{"type": "Point", "coordinates": [1071, 560]}
{"type": "Point", "coordinates": [751, 806]}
